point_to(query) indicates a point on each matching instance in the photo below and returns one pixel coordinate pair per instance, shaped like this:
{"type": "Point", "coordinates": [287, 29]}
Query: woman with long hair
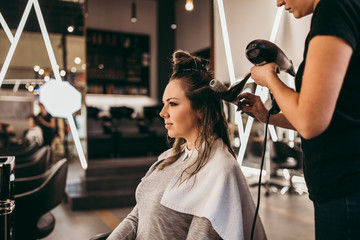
{"type": "Point", "coordinates": [196, 189]}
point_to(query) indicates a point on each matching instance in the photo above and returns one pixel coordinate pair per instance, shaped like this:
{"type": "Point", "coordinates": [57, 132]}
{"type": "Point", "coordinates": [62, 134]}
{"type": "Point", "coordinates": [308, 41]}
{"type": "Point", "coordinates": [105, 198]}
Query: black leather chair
{"type": "Point", "coordinates": [35, 164]}
{"type": "Point", "coordinates": [34, 198]}
{"type": "Point", "coordinates": [21, 151]}
{"type": "Point", "coordinates": [101, 138]}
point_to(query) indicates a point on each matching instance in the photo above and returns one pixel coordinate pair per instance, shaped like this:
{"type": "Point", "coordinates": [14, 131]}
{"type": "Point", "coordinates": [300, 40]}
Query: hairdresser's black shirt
{"type": "Point", "coordinates": [332, 159]}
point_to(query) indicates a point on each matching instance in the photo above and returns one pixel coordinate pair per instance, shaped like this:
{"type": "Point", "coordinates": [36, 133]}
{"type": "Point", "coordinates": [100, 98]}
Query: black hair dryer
{"type": "Point", "coordinates": [260, 52]}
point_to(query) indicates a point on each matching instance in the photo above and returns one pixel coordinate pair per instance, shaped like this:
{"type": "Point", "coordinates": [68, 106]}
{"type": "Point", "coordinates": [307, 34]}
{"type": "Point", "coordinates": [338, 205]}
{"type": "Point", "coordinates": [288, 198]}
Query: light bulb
{"type": "Point", "coordinates": [189, 6]}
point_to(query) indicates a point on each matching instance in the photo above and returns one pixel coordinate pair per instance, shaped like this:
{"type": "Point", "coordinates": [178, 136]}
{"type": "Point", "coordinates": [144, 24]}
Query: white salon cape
{"type": "Point", "coordinates": [219, 192]}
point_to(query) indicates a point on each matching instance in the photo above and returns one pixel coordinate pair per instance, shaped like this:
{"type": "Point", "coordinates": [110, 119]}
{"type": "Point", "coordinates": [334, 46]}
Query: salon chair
{"type": "Point", "coordinates": [34, 198]}
{"type": "Point", "coordinates": [101, 138]}
{"type": "Point", "coordinates": [287, 158]}
{"type": "Point", "coordinates": [22, 151]}
{"type": "Point", "coordinates": [131, 140]}
{"type": "Point", "coordinates": [35, 164]}
{"type": "Point", "coordinates": [154, 125]}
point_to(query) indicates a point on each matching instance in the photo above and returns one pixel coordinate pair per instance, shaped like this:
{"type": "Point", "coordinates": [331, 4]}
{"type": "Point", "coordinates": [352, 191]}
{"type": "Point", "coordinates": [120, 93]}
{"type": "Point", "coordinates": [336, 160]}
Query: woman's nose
{"type": "Point", "coordinates": [163, 113]}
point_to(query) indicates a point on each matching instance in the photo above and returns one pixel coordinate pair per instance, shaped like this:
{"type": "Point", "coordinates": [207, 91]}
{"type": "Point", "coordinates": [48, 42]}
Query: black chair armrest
{"type": "Point", "coordinates": [29, 183]}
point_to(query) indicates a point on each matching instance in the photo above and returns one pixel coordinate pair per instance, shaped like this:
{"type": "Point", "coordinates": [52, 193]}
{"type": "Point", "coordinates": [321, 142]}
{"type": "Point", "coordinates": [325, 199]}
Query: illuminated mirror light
{"type": "Point", "coordinates": [73, 69]}
{"type": "Point", "coordinates": [83, 67]}
{"type": "Point", "coordinates": [230, 65]}
{"type": "Point", "coordinates": [46, 78]}
{"type": "Point", "coordinates": [52, 97]}
{"type": "Point", "coordinates": [14, 41]}
{"type": "Point", "coordinates": [41, 71]}
{"type": "Point", "coordinates": [6, 29]}
{"type": "Point", "coordinates": [173, 26]}
{"type": "Point", "coordinates": [245, 134]}
{"type": "Point", "coordinates": [62, 73]}
{"type": "Point", "coordinates": [36, 68]}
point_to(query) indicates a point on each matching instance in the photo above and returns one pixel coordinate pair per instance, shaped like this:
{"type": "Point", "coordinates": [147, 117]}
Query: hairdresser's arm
{"type": "Point", "coordinates": [252, 105]}
{"type": "Point", "coordinates": [311, 110]}
{"type": "Point", "coordinates": [201, 229]}
{"type": "Point", "coordinates": [127, 229]}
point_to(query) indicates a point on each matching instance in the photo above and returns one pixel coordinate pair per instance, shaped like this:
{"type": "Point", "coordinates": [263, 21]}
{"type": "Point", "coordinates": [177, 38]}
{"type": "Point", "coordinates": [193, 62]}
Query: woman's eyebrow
{"type": "Point", "coordinates": [167, 100]}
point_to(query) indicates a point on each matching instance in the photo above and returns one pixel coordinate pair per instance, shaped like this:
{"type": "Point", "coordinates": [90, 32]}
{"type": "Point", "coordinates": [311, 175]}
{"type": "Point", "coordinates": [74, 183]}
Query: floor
{"type": "Point", "coordinates": [285, 216]}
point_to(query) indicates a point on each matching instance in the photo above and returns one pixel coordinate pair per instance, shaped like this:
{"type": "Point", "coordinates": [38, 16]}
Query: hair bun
{"type": "Point", "coordinates": [183, 60]}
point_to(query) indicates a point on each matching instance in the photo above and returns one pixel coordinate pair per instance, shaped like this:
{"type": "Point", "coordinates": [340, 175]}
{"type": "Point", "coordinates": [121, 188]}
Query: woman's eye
{"type": "Point", "coordinates": [172, 104]}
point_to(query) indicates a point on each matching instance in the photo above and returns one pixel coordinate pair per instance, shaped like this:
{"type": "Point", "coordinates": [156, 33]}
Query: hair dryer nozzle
{"type": "Point", "coordinates": [228, 94]}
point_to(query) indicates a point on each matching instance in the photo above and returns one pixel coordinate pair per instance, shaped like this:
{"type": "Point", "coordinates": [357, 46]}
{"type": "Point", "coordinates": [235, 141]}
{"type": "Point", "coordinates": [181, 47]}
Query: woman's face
{"type": "Point", "coordinates": [180, 118]}
{"type": "Point", "coordinates": [299, 8]}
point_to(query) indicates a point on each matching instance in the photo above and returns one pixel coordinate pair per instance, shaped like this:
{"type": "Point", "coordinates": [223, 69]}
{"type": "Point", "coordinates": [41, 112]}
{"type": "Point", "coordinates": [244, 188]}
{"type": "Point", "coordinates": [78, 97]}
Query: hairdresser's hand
{"type": "Point", "coordinates": [264, 74]}
{"type": "Point", "coordinates": [253, 106]}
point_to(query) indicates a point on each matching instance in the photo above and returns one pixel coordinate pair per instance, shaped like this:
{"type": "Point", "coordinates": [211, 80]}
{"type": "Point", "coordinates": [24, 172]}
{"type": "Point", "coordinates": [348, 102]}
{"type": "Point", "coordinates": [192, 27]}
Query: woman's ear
{"type": "Point", "coordinates": [199, 116]}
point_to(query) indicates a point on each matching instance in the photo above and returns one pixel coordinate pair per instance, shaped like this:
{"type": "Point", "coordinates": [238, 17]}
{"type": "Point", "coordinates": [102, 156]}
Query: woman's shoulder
{"type": "Point", "coordinates": [165, 154]}
{"type": "Point", "coordinates": [221, 156]}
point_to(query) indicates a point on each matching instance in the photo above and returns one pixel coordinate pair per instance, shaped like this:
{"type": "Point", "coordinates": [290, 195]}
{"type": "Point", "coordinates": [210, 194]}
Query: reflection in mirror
{"type": "Point", "coordinates": [30, 67]}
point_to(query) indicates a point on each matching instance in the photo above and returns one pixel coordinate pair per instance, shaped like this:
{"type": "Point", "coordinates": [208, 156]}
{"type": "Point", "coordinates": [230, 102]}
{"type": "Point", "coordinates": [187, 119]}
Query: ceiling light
{"type": "Point", "coordinates": [77, 60]}
{"type": "Point", "coordinates": [70, 29]}
{"type": "Point", "coordinates": [133, 12]}
{"type": "Point", "coordinates": [189, 5]}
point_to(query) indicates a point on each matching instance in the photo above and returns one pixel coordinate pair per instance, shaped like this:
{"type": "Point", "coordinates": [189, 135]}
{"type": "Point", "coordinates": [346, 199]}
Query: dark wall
{"type": "Point", "coordinates": [166, 42]}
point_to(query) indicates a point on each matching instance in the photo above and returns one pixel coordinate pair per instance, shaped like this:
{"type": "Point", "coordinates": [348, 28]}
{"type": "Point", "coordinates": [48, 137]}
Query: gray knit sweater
{"type": "Point", "coordinates": [149, 220]}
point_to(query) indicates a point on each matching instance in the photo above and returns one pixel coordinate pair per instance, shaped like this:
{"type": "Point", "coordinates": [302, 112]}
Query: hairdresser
{"type": "Point", "coordinates": [325, 110]}
{"type": "Point", "coordinates": [47, 124]}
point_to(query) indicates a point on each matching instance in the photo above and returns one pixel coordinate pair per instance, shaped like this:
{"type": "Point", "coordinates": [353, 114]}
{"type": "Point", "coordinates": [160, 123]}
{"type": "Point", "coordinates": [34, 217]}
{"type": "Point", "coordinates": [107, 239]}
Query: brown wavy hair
{"type": "Point", "coordinates": [211, 121]}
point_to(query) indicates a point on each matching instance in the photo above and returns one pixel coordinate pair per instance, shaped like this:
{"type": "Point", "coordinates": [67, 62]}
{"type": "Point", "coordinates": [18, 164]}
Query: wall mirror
{"type": "Point", "coordinates": [83, 33]}
{"type": "Point", "coordinates": [30, 65]}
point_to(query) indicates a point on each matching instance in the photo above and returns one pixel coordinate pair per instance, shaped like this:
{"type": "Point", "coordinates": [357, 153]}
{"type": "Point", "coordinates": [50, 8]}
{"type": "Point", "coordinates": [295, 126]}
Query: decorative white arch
{"type": "Point", "coordinates": [244, 134]}
{"type": "Point", "coordinates": [14, 41]}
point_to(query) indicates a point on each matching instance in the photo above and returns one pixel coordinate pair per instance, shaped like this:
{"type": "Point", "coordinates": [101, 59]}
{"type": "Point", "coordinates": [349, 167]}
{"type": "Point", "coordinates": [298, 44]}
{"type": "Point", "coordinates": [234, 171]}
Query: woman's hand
{"type": "Point", "coordinates": [253, 106]}
{"type": "Point", "coordinates": [263, 74]}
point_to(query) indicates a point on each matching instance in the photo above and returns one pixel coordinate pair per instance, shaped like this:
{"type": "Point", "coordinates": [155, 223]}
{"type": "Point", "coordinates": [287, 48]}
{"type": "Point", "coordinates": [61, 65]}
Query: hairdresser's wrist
{"type": "Point", "coordinates": [264, 116]}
